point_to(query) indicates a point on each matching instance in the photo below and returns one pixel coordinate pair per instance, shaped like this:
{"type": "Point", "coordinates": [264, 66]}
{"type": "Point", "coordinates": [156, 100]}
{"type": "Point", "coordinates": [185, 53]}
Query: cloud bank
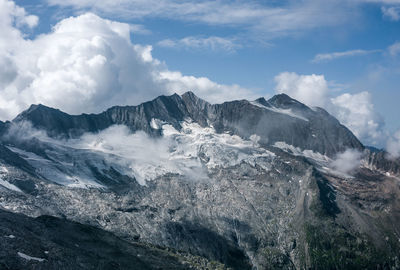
{"type": "Point", "coordinates": [193, 152]}
{"type": "Point", "coordinates": [86, 64]}
{"type": "Point", "coordinates": [356, 111]}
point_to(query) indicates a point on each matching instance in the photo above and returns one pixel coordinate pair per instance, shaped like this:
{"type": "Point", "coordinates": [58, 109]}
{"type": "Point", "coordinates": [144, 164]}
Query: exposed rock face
{"type": "Point", "coordinates": [247, 184]}
{"type": "Point", "coordinates": [380, 160]}
{"type": "Point", "coordinates": [279, 119]}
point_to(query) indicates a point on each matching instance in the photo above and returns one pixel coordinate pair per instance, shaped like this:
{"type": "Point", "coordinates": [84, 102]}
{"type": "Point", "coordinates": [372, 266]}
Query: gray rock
{"type": "Point", "coordinates": [281, 210]}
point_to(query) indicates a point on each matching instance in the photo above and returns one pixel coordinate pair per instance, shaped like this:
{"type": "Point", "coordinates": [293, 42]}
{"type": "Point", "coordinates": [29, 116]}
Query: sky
{"type": "Point", "coordinates": [87, 55]}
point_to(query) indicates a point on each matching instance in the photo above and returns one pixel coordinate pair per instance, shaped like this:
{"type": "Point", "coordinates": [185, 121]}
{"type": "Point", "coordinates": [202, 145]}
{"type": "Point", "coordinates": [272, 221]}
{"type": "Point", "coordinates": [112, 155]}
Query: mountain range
{"type": "Point", "coordinates": [179, 183]}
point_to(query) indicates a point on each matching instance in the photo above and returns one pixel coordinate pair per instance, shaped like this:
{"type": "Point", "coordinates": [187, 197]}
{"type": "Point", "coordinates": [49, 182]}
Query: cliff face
{"type": "Point", "coordinates": [246, 184]}
{"type": "Point", "coordinates": [279, 119]}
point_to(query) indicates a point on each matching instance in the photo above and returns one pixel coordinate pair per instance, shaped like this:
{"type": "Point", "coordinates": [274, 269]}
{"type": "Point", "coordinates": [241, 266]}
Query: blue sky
{"type": "Point", "coordinates": [351, 44]}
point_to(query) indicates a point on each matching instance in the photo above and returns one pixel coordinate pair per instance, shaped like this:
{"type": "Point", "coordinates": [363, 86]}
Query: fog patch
{"type": "Point", "coordinates": [347, 161]}
{"type": "Point", "coordinates": [191, 152]}
{"type": "Point", "coordinates": [148, 158]}
{"type": "Point", "coordinates": [255, 139]}
{"type": "Point", "coordinates": [393, 146]}
{"type": "Point", "coordinates": [24, 131]}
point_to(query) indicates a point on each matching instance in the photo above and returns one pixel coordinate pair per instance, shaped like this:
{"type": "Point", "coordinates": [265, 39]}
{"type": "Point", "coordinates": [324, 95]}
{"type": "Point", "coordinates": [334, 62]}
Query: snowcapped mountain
{"type": "Point", "coordinates": [264, 184]}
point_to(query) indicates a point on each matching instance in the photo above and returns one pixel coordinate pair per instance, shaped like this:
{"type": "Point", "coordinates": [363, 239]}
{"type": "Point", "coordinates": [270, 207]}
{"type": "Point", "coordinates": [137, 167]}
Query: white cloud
{"type": "Point", "coordinates": [212, 43]}
{"type": "Point", "coordinates": [393, 145]}
{"type": "Point", "coordinates": [394, 49]}
{"type": "Point", "coordinates": [271, 19]}
{"type": "Point", "coordinates": [310, 89]}
{"type": "Point", "coordinates": [190, 153]}
{"type": "Point", "coordinates": [331, 56]}
{"type": "Point", "coordinates": [86, 64]}
{"type": "Point", "coordinates": [139, 29]}
{"type": "Point", "coordinates": [174, 80]}
{"type": "Point", "coordinates": [13, 15]}
{"type": "Point", "coordinates": [356, 111]}
{"type": "Point", "coordinates": [347, 161]}
{"type": "Point", "coordinates": [392, 13]}
{"type": "Point", "coordinates": [385, 2]}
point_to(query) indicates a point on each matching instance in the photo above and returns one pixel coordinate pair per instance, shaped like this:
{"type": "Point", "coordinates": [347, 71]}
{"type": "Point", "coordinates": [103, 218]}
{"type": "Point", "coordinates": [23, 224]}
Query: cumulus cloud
{"type": "Point", "coordinates": [214, 92]}
{"type": "Point", "coordinates": [211, 43]}
{"type": "Point", "coordinates": [86, 64]}
{"type": "Point", "coordinates": [348, 161]}
{"type": "Point", "coordinates": [331, 56]}
{"type": "Point", "coordinates": [356, 111]}
{"type": "Point", "coordinates": [312, 89]}
{"type": "Point", "coordinates": [393, 145]}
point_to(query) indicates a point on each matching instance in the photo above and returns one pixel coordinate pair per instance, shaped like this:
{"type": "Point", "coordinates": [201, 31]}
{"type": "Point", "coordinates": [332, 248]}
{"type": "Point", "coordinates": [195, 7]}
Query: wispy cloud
{"type": "Point", "coordinates": [331, 56]}
{"type": "Point", "coordinates": [392, 13]}
{"type": "Point", "coordinates": [394, 49]}
{"type": "Point", "coordinates": [213, 43]}
{"type": "Point", "coordinates": [139, 29]}
{"type": "Point", "coordinates": [268, 19]}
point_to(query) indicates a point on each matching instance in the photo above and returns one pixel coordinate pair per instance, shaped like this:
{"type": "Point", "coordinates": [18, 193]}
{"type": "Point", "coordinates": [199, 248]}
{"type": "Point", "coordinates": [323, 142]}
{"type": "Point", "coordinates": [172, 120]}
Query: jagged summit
{"type": "Point", "coordinates": [282, 98]}
{"type": "Point", "coordinates": [280, 119]}
{"type": "Point", "coordinates": [285, 102]}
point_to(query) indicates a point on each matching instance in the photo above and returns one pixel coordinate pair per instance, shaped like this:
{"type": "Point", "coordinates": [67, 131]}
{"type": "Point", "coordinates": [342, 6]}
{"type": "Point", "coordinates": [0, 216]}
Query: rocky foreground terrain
{"type": "Point", "coordinates": [178, 183]}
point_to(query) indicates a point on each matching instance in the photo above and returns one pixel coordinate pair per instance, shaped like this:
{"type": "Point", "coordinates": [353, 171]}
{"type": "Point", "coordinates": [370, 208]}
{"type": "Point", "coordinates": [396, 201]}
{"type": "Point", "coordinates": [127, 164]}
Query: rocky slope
{"type": "Point", "coordinates": [248, 184]}
{"type": "Point", "coordinates": [54, 243]}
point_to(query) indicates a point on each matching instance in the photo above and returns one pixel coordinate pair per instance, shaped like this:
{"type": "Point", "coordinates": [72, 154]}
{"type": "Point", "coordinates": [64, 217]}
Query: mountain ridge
{"type": "Point", "coordinates": [273, 120]}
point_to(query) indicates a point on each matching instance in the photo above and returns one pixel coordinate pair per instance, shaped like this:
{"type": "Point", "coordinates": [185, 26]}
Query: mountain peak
{"type": "Point", "coordinates": [37, 111]}
{"type": "Point", "coordinates": [262, 101]}
{"type": "Point", "coordinates": [39, 106]}
{"type": "Point", "coordinates": [282, 99]}
{"type": "Point", "coordinates": [189, 94]}
{"type": "Point", "coordinates": [286, 102]}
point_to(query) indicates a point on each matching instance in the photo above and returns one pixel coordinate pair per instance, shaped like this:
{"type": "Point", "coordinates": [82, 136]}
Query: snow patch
{"type": "Point", "coordinates": [30, 258]}
{"type": "Point", "coordinates": [288, 112]}
{"type": "Point", "coordinates": [65, 167]}
{"type": "Point", "coordinates": [341, 166]}
{"type": "Point", "coordinates": [156, 123]}
{"type": "Point", "coordinates": [297, 151]}
{"type": "Point", "coordinates": [6, 184]}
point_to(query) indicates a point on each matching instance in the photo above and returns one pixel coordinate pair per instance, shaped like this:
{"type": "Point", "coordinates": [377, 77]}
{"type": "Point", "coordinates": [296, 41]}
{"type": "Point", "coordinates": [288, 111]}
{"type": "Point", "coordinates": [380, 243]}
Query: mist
{"type": "Point", "coordinates": [193, 152]}
{"type": "Point", "coordinates": [347, 161]}
{"type": "Point", "coordinates": [393, 146]}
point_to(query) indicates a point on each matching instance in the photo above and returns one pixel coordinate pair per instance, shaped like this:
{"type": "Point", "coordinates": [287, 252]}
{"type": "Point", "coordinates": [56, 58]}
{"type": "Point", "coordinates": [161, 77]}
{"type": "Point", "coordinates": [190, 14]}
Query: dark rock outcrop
{"type": "Point", "coordinates": [52, 243]}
